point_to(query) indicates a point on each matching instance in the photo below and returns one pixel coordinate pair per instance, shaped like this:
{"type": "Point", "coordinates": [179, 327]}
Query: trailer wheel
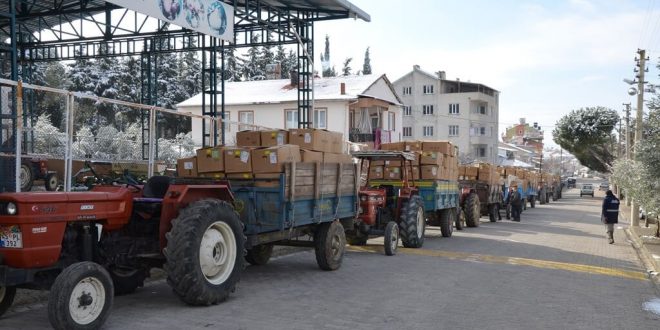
{"type": "Point", "coordinates": [7, 294]}
{"type": "Point", "coordinates": [81, 297]}
{"type": "Point", "coordinates": [126, 280]}
{"type": "Point", "coordinates": [412, 224]}
{"type": "Point", "coordinates": [447, 219]}
{"type": "Point", "coordinates": [259, 255]}
{"type": "Point", "coordinates": [26, 177]}
{"type": "Point", "coordinates": [391, 239]}
{"type": "Point", "coordinates": [205, 252]}
{"type": "Point", "coordinates": [472, 210]}
{"type": "Point", "coordinates": [460, 219]}
{"type": "Point", "coordinates": [329, 245]}
{"type": "Point", "coordinates": [51, 182]}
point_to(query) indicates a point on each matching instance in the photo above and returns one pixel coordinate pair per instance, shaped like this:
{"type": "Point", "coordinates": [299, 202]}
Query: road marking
{"type": "Point", "coordinates": [546, 264]}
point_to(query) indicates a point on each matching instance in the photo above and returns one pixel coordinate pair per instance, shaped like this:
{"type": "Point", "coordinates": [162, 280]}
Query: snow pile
{"type": "Point", "coordinates": [652, 306]}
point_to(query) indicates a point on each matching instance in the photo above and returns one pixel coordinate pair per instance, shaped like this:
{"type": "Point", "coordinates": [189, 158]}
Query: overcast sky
{"type": "Point", "coordinates": [545, 57]}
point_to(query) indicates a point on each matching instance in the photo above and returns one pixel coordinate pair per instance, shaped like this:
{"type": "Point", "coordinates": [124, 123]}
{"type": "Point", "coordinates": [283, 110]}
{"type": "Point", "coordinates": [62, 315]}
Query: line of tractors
{"type": "Point", "coordinates": [88, 246]}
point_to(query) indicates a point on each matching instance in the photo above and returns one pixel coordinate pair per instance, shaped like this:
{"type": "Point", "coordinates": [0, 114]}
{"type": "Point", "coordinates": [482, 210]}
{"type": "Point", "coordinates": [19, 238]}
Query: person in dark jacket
{"type": "Point", "coordinates": [610, 214]}
{"type": "Point", "coordinates": [516, 203]}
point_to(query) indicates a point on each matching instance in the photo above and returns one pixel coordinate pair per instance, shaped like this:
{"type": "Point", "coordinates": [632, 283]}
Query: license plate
{"type": "Point", "coordinates": [11, 237]}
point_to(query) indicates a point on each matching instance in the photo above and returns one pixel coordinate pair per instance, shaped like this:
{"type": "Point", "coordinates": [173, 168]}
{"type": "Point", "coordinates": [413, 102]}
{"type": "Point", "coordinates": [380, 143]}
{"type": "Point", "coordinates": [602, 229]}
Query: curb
{"type": "Point", "coordinates": [645, 257]}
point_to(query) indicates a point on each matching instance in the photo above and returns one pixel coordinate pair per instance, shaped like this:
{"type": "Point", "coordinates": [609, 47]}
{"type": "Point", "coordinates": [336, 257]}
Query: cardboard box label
{"type": "Point", "coordinates": [245, 156]}
{"type": "Point", "coordinates": [308, 138]}
{"type": "Point", "coordinates": [280, 138]}
{"type": "Point", "coordinates": [188, 166]}
{"type": "Point", "coordinates": [273, 158]}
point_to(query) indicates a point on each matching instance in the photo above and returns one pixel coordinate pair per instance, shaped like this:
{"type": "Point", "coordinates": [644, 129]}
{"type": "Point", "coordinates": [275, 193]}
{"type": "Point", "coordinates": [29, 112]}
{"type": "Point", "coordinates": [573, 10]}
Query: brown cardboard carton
{"type": "Point", "coordinates": [274, 138]}
{"type": "Point", "coordinates": [412, 172]}
{"type": "Point", "coordinates": [212, 175]}
{"type": "Point", "coordinates": [413, 146]}
{"type": "Point", "coordinates": [445, 147]}
{"type": "Point", "coordinates": [210, 160]}
{"type": "Point", "coordinates": [237, 160]}
{"type": "Point", "coordinates": [471, 171]}
{"type": "Point", "coordinates": [429, 172]}
{"type": "Point", "coordinates": [272, 159]}
{"type": "Point", "coordinates": [186, 167]}
{"type": "Point", "coordinates": [394, 146]}
{"type": "Point", "coordinates": [267, 180]}
{"type": "Point", "coordinates": [333, 158]}
{"type": "Point", "coordinates": [244, 175]}
{"type": "Point", "coordinates": [248, 138]}
{"type": "Point", "coordinates": [392, 173]}
{"type": "Point", "coordinates": [431, 158]}
{"type": "Point", "coordinates": [375, 172]}
{"type": "Point", "coordinates": [461, 170]}
{"type": "Point", "coordinates": [317, 139]}
{"type": "Point", "coordinates": [311, 156]}
{"type": "Point", "coordinates": [387, 162]}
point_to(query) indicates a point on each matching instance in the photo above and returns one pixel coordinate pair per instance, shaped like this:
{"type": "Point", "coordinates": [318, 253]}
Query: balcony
{"type": "Point", "coordinates": [378, 137]}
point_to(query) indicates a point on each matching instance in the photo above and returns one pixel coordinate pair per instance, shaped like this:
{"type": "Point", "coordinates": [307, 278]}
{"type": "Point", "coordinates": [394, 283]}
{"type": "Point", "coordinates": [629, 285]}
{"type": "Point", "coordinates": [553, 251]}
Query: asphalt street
{"type": "Point", "coordinates": [553, 270]}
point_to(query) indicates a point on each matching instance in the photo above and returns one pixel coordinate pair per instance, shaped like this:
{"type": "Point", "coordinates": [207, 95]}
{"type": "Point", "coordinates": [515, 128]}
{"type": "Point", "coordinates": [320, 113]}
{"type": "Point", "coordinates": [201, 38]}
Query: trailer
{"type": "Point", "coordinates": [488, 196]}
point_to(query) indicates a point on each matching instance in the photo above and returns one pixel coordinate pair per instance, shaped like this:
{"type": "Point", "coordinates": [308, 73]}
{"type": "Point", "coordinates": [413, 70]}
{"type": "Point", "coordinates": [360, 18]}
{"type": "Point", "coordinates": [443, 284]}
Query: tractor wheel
{"type": "Point", "coordinates": [447, 219]}
{"type": "Point", "coordinates": [205, 252]}
{"type": "Point", "coordinates": [472, 210]}
{"type": "Point", "coordinates": [460, 219]}
{"type": "Point", "coordinates": [412, 224]}
{"type": "Point", "coordinates": [51, 182]}
{"type": "Point", "coordinates": [7, 294]}
{"type": "Point", "coordinates": [26, 177]}
{"type": "Point", "coordinates": [391, 239]}
{"type": "Point", "coordinates": [329, 245]}
{"type": "Point", "coordinates": [127, 280]}
{"type": "Point", "coordinates": [81, 297]}
{"type": "Point", "coordinates": [492, 212]}
{"type": "Point", "coordinates": [259, 255]}
{"type": "Point", "coordinates": [532, 202]}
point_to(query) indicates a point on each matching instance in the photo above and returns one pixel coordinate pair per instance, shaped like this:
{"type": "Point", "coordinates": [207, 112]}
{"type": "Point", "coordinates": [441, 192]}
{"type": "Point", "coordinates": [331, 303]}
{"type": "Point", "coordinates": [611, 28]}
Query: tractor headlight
{"type": "Point", "coordinates": [363, 198]}
{"type": "Point", "coordinates": [360, 210]}
{"type": "Point", "coordinates": [11, 208]}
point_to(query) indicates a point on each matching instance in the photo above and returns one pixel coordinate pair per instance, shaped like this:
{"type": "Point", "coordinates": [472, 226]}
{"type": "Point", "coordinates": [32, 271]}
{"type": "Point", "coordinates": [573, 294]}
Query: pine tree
{"type": "Point", "coordinates": [291, 64]}
{"type": "Point", "coordinates": [346, 70]}
{"type": "Point", "coordinates": [82, 77]}
{"type": "Point", "coordinates": [106, 86]}
{"type": "Point", "coordinates": [366, 67]}
{"type": "Point", "coordinates": [129, 89]}
{"type": "Point", "coordinates": [327, 71]}
{"type": "Point", "coordinates": [250, 64]}
{"type": "Point", "coordinates": [53, 104]}
{"type": "Point", "coordinates": [266, 56]}
{"type": "Point", "coordinates": [233, 69]}
{"type": "Point", "coordinates": [190, 70]}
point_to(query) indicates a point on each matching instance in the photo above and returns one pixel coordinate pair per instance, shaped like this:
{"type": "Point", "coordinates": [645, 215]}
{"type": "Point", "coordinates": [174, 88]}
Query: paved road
{"type": "Point", "coordinates": [554, 270]}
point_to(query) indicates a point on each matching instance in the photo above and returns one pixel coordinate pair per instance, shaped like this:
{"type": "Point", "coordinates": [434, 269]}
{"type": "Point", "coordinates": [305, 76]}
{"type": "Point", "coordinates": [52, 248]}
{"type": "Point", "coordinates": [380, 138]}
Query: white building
{"type": "Point", "coordinates": [465, 113]}
{"type": "Point", "coordinates": [365, 108]}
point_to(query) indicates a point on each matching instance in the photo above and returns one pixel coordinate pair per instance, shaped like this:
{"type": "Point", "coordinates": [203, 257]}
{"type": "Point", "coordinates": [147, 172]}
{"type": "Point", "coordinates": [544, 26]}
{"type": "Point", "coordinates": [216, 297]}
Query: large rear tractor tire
{"type": "Point", "coordinates": [7, 294]}
{"type": "Point", "coordinates": [81, 297]}
{"type": "Point", "coordinates": [412, 224]}
{"type": "Point", "coordinates": [259, 255]}
{"type": "Point", "coordinates": [391, 239]}
{"type": "Point", "coordinates": [330, 245]}
{"type": "Point", "coordinates": [51, 182]}
{"type": "Point", "coordinates": [27, 177]}
{"type": "Point", "coordinates": [205, 252]}
{"type": "Point", "coordinates": [447, 219]}
{"type": "Point", "coordinates": [492, 212]}
{"type": "Point", "coordinates": [472, 210]}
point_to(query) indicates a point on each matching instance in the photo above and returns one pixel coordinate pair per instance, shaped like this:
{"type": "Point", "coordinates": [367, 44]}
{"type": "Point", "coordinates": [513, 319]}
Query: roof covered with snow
{"type": "Point", "coordinates": [281, 90]}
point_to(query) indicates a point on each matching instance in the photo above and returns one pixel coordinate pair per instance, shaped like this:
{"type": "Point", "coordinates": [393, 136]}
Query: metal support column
{"type": "Point", "coordinates": [305, 35]}
{"type": "Point", "coordinates": [211, 48]}
{"type": "Point", "coordinates": [8, 60]}
{"type": "Point", "coordinates": [148, 84]}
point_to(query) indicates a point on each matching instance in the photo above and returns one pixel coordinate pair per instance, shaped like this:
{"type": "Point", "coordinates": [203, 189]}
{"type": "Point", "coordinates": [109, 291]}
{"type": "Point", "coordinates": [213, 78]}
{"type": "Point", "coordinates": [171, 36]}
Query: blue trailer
{"type": "Point", "coordinates": [298, 208]}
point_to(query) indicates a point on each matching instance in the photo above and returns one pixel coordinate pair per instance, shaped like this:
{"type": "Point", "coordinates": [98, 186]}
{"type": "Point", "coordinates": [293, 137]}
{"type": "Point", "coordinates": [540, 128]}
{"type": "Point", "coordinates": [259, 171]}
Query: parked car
{"type": "Point", "coordinates": [604, 186]}
{"type": "Point", "coordinates": [587, 189]}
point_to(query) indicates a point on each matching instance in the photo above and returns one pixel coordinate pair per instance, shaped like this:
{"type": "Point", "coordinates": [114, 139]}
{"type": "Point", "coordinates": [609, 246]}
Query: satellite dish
{"type": "Point", "coordinates": [632, 91]}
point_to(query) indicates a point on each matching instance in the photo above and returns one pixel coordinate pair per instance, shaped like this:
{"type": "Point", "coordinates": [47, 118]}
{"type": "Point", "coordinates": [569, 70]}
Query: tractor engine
{"type": "Point", "coordinates": [371, 201]}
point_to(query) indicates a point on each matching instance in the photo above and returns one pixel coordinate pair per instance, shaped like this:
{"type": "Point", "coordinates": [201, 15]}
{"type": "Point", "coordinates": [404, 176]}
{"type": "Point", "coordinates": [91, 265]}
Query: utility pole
{"type": "Point", "coordinates": [634, 209]}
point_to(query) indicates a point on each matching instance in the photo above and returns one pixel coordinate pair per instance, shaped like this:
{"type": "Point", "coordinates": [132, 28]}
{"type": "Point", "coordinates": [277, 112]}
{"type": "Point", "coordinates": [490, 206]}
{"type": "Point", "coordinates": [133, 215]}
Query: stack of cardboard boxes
{"type": "Point", "coordinates": [262, 154]}
{"type": "Point", "coordinates": [435, 160]}
{"type": "Point", "coordinates": [483, 172]}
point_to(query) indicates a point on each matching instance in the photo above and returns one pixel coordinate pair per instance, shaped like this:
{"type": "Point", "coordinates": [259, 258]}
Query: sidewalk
{"type": "Point", "coordinates": [645, 243]}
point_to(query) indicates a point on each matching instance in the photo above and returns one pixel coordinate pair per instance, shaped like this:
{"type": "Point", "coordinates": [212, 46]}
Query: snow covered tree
{"type": "Point", "coordinates": [47, 138]}
{"type": "Point", "coordinates": [366, 67]}
{"type": "Point", "coordinates": [129, 89]}
{"type": "Point", "coordinates": [291, 64]}
{"type": "Point", "coordinates": [53, 104]}
{"type": "Point", "coordinates": [327, 70]}
{"type": "Point", "coordinates": [233, 69]}
{"type": "Point", "coordinates": [106, 85]}
{"type": "Point", "coordinates": [346, 70]}
{"type": "Point", "coordinates": [251, 65]}
{"type": "Point", "coordinates": [266, 55]}
{"type": "Point", "coordinates": [587, 134]}
{"type": "Point", "coordinates": [82, 77]}
{"type": "Point", "coordinates": [190, 74]}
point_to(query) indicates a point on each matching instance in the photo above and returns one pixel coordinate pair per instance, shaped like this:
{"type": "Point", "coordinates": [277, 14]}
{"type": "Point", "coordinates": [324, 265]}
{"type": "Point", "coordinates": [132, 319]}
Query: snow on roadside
{"type": "Point", "coordinates": [652, 306]}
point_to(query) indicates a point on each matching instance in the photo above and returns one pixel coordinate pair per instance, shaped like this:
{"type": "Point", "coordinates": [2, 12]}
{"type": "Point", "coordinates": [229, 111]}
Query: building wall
{"type": "Point", "coordinates": [469, 123]}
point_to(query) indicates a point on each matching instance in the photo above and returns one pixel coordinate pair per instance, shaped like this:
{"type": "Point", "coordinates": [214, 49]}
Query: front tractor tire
{"type": "Point", "coordinates": [259, 255]}
{"type": "Point", "coordinates": [81, 297]}
{"type": "Point", "coordinates": [204, 252]}
{"type": "Point", "coordinates": [51, 182]}
{"type": "Point", "coordinates": [7, 294]}
{"type": "Point", "coordinates": [330, 245]}
{"type": "Point", "coordinates": [391, 239]}
{"type": "Point", "coordinates": [472, 210]}
{"type": "Point", "coordinates": [27, 177]}
{"type": "Point", "coordinates": [413, 223]}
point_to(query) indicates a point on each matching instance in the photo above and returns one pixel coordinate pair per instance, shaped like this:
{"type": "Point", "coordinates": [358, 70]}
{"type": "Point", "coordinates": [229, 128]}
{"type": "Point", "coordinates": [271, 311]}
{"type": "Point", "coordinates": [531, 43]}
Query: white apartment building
{"type": "Point", "coordinates": [465, 113]}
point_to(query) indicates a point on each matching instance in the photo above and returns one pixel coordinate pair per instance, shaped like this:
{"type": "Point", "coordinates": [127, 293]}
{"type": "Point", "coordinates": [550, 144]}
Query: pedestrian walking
{"type": "Point", "coordinates": [610, 214]}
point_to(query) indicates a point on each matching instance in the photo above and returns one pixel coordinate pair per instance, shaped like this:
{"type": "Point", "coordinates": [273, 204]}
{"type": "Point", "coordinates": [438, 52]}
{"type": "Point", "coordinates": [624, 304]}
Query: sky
{"type": "Point", "coordinates": [545, 57]}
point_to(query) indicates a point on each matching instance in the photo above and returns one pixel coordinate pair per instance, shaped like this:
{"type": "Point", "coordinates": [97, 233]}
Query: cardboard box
{"type": "Point", "coordinates": [239, 175]}
{"type": "Point", "coordinates": [333, 158]}
{"type": "Point", "coordinates": [392, 173]}
{"type": "Point", "coordinates": [414, 175]}
{"type": "Point", "coordinates": [471, 171]}
{"type": "Point", "coordinates": [212, 175]}
{"type": "Point", "coordinates": [272, 159]}
{"type": "Point", "coordinates": [431, 158]}
{"type": "Point", "coordinates": [394, 146]}
{"type": "Point", "coordinates": [274, 138]}
{"type": "Point", "coordinates": [461, 170]}
{"type": "Point", "coordinates": [376, 172]}
{"type": "Point", "coordinates": [444, 147]}
{"type": "Point", "coordinates": [248, 138]}
{"type": "Point", "coordinates": [430, 172]}
{"type": "Point", "coordinates": [186, 167]}
{"type": "Point", "coordinates": [267, 180]}
{"type": "Point", "coordinates": [387, 162]}
{"type": "Point", "coordinates": [310, 156]}
{"type": "Point", "coordinates": [237, 160]}
{"type": "Point", "coordinates": [317, 139]}
{"type": "Point", "coordinates": [210, 160]}
{"type": "Point", "coordinates": [413, 146]}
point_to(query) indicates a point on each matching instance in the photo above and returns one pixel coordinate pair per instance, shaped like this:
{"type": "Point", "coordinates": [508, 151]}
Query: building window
{"type": "Point", "coordinates": [427, 109]}
{"type": "Point", "coordinates": [225, 121]}
{"type": "Point", "coordinates": [320, 118]}
{"type": "Point", "coordinates": [480, 109]}
{"type": "Point", "coordinates": [407, 131]}
{"type": "Point", "coordinates": [407, 110]}
{"type": "Point", "coordinates": [427, 89]}
{"type": "Point", "coordinates": [482, 131]}
{"type": "Point", "coordinates": [246, 117]}
{"type": "Point", "coordinates": [391, 117]}
{"type": "Point", "coordinates": [453, 130]}
{"type": "Point", "coordinates": [453, 109]}
{"type": "Point", "coordinates": [428, 130]}
{"type": "Point", "coordinates": [290, 119]}
{"type": "Point", "coordinates": [407, 90]}
{"type": "Point", "coordinates": [480, 151]}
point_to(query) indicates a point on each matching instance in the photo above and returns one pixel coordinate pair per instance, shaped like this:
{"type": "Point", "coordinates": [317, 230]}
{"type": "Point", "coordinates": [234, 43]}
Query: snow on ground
{"type": "Point", "coordinates": [652, 306]}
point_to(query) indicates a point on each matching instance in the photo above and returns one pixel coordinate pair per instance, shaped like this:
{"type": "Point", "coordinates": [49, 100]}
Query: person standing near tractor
{"type": "Point", "coordinates": [610, 214]}
{"type": "Point", "coordinates": [515, 201]}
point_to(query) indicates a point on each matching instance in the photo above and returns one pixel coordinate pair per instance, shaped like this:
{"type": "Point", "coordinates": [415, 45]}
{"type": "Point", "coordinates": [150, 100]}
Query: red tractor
{"type": "Point", "coordinates": [389, 208]}
{"type": "Point", "coordinates": [88, 246]}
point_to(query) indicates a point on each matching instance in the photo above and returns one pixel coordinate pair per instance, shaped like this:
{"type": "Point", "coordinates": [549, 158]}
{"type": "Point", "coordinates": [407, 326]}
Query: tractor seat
{"type": "Point", "coordinates": [156, 187]}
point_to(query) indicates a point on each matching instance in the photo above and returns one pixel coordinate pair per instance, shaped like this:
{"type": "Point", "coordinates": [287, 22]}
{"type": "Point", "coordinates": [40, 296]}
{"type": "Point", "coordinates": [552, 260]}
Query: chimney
{"type": "Point", "coordinates": [294, 77]}
{"type": "Point", "coordinates": [522, 121]}
{"type": "Point", "coordinates": [441, 75]}
{"type": "Point", "coordinates": [342, 88]}
{"type": "Point", "coordinates": [415, 67]}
